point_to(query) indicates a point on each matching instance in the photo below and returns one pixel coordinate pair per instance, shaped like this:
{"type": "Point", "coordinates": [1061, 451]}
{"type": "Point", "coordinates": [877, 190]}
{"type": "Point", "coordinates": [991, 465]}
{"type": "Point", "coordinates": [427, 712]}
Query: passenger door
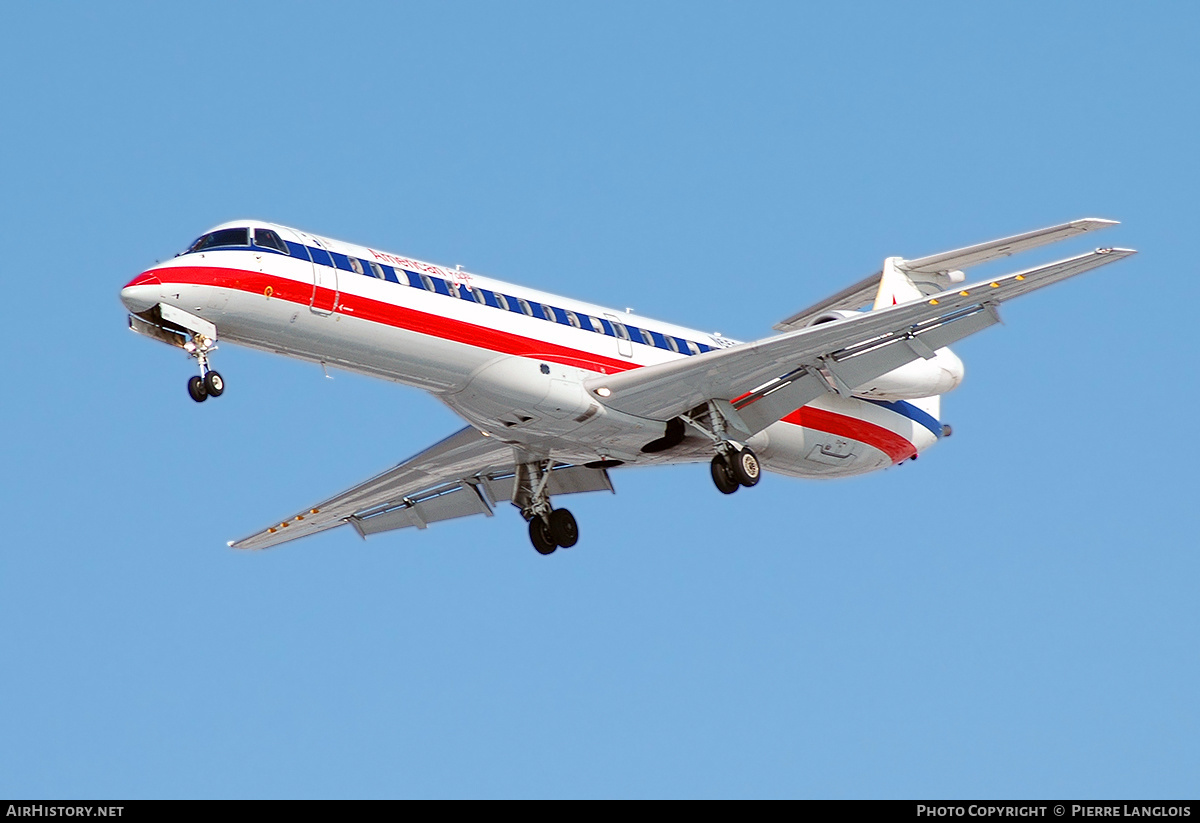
{"type": "Point", "coordinates": [624, 346]}
{"type": "Point", "coordinates": [325, 293]}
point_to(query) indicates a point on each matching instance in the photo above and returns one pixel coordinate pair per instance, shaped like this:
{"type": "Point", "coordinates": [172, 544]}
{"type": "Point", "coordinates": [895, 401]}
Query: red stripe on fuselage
{"type": "Point", "coordinates": [852, 428]}
{"type": "Point", "coordinates": [402, 317]}
{"type": "Point", "coordinates": [390, 314]}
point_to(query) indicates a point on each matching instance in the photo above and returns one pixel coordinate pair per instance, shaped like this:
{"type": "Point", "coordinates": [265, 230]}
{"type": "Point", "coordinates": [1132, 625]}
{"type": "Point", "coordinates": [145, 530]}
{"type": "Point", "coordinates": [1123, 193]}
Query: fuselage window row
{"type": "Point", "coordinates": [268, 240]}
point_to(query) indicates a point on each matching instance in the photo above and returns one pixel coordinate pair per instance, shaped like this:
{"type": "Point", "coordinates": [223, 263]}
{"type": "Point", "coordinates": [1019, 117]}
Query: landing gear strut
{"type": "Point", "coordinates": [549, 528]}
{"type": "Point", "coordinates": [209, 382]}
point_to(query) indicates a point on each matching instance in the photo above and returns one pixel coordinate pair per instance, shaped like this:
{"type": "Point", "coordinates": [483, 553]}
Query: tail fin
{"type": "Point", "coordinates": [897, 286]}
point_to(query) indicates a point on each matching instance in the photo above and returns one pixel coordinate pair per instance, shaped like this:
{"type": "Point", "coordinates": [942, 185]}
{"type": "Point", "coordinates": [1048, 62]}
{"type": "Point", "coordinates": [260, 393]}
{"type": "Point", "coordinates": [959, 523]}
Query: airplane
{"type": "Point", "coordinates": [557, 392]}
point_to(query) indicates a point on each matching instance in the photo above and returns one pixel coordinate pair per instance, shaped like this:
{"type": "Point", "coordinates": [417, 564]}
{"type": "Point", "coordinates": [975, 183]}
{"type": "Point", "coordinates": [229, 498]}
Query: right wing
{"type": "Point", "coordinates": [863, 292]}
{"type": "Point", "coordinates": [465, 474]}
{"type": "Point", "coordinates": [755, 384]}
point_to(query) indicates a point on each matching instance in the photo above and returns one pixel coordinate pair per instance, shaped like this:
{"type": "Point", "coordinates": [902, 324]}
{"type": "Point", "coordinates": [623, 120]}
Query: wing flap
{"type": "Point", "coordinates": [464, 475]}
{"type": "Point", "coordinates": [465, 453]}
{"type": "Point", "coordinates": [852, 351]}
{"type": "Point", "coordinates": [461, 500]}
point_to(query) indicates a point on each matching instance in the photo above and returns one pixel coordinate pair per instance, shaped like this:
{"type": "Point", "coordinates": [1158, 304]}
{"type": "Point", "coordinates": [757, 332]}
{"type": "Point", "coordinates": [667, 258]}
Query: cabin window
{"type": "Point", "coordinates": [222, 238]}
{"type": "Point", "coordinates": [622, 332]}
{"type": "Point", "coordinates": [547, 313]}
{"type": "Point", "coordinates": [692, 347]}
{"type": "Point", "coordinates": [427, 282]}
{"type": "Point", "coordinates": [479, 296]}
{"type": "Point", "coordinates": [672, 344]}
{"type": "Point", "coordinates": [647, 338]}
{"type": "Point", "coordinates": [502, 301]}
{"type": "Point", "coordinates": [356, 264]}
{"type": "Point", "coordinates": [525, 307]}
{"type": "Point", "coordinates": [597, 327]}
{"type": "Point", "coordinates": [268, 239]}
{"type": "Point", "coordinates": [573, 319]}
{"type": "Point", "coordinates": [375, 270]}
{"type": "Point", "coordinates": [320, 256]}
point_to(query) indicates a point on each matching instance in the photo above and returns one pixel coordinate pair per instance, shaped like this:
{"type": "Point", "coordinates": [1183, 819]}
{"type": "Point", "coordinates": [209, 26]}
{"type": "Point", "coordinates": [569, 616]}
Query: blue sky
{"type": "Point", "coordinates": [1014, 615]}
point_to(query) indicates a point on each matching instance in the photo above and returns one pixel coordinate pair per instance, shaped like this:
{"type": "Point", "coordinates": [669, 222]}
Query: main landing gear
{"type": "Point", "coordinates": [735, 467]}
{"type": "Point", "coordinates": [554, 531]}
{"type": "Point", "coordinates": [209, 382]}
{"type": "Point", "coordinates": [549, 528]}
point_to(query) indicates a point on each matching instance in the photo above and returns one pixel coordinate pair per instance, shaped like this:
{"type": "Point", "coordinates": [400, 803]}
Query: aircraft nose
{"type": "Point", "coordinates": [141, 292]}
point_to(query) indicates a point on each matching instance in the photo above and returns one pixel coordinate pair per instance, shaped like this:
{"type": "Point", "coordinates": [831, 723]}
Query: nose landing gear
{"type": "Point", "coordinates": [209, 382]}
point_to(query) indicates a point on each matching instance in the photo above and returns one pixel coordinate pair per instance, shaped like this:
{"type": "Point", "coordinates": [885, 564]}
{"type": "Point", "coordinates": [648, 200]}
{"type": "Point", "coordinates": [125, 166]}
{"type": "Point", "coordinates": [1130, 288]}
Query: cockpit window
{"type": "Point", "coordinates": [222, 238]}
{"type": "Point", "coordinates": [269, 240]}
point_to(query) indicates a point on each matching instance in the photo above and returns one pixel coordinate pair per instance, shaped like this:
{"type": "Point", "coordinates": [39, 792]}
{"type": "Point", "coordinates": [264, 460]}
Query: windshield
{"type": "Point", "coordinates": [224, 237]}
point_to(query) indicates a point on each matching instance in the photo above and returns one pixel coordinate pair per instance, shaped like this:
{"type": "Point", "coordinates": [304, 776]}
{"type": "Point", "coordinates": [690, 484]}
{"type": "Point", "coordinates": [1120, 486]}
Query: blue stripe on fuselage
{"type": "Point", "coordinates": [910, 411]}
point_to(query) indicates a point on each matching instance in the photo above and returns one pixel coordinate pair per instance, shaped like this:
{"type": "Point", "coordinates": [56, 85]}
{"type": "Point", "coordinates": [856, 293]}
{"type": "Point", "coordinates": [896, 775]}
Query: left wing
{"type": "Point", "coordinates": [462, 475]}
{"type": "Point", "coordinates": [755, 384]}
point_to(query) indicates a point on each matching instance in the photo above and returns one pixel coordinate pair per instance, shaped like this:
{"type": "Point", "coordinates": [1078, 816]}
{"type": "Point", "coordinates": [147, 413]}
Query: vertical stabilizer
{"type": "Point", "coordinates": [895, 286]}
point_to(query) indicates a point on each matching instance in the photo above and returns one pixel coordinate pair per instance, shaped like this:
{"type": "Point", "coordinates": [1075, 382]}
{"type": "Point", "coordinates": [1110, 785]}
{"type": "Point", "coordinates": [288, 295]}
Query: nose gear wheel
{"type": "Point", "coordinates": [196, 388]}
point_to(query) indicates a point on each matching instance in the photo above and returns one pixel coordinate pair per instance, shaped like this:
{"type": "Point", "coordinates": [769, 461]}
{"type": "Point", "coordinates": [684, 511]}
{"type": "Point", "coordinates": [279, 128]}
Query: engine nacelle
{"type": "Point", "coordinates": [830, 316]}
{"type": "Point", "coordinates": [919, 378]}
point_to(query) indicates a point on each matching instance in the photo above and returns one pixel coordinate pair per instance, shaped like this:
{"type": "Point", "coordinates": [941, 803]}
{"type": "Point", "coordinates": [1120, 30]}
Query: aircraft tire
{"type": "Point", "coordinates": [196, 389]}
{"type": "Point", "coordinates": [214, 384]}
{"type": "Point", "coordinates": [746, 468]}
{"type": "Point", "coordinates": [563, 528]}
{"type": "Point", "coordinates": [722, 475]}
{"type": "Point", "coordinates": [539, 535]}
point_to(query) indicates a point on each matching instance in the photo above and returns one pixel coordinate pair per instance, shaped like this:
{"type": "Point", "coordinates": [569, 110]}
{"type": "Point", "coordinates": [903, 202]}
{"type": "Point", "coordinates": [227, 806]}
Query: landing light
{"type": "Point", "coordinates": [604, 391]}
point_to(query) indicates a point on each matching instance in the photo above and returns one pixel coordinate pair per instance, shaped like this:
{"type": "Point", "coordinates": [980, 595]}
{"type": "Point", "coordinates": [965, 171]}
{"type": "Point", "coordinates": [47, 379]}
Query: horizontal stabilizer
{"type": "Point", "coordinates": [1004, 247]}
{"type": "Point", "coordinates": [863, 292]}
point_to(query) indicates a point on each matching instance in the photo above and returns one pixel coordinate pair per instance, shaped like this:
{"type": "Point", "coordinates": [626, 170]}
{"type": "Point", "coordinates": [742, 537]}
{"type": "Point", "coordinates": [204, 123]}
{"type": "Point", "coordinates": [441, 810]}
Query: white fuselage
{"type": "Point", "coordinates": [510, 360]}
